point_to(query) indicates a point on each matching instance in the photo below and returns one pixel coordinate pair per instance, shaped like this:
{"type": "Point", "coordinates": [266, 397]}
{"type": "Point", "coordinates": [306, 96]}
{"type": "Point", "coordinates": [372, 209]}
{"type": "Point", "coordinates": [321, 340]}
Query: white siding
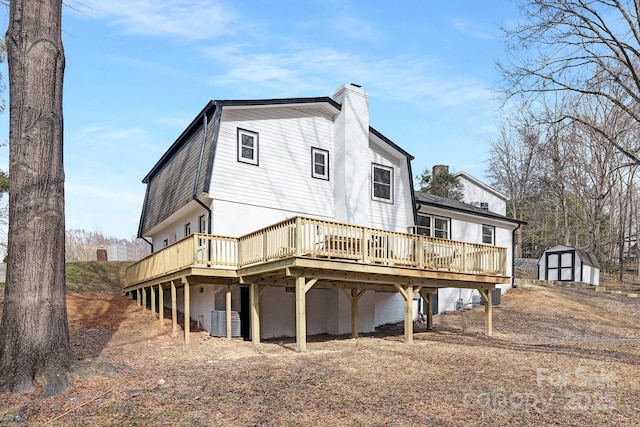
{"type": "Point", "coordinates": [390, 216]}
{"type": "Point", "coordinates": [237, 219]}
{"type": "Point", "coordinates": [474, 194]}
{"type": "Point", "coordinates": [282, 179]}
{"type": "Point", "coordinates": [328, 311]}
{"type": "Point", "coordinates": [468, 228]}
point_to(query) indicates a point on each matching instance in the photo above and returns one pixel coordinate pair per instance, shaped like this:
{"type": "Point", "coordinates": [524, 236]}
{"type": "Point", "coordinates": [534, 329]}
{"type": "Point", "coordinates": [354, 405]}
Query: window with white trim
{"type": "Point", "coordinates": [319, 163]}
{"type": "Point", "coordinates": [381, 183]}
{"type": "Point", "coordinates": [488, 234]}
{"type": "Point", "coordinates": [247, 147]}
{"type": "Point", "coordinates": [433, 226]}
{"type": "Point", "coordinates": [172, 238]}
{"type": "Point", "coordinates": [202, 224]}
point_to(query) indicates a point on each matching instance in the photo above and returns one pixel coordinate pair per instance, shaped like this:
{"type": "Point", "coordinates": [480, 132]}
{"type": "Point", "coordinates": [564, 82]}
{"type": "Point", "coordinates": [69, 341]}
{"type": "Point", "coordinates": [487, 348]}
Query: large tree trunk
{"type": "Point", "coordinates": [34, 335]}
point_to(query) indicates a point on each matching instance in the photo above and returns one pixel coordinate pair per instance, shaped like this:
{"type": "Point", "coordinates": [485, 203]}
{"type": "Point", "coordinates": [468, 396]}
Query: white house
{"type": "Point", "coordinates": [479, 194]}
{"type": "Point", "coordinates": [567, 264]}
{"type": "Point", "coordinates": [451, 219]}
{"type": "Point", "coordinates": [303, 217]}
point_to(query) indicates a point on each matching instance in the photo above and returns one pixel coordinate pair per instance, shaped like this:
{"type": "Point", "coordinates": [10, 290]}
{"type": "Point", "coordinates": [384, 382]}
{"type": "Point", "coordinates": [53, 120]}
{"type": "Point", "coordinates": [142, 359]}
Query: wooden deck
{"type": "Point", "coordinates": [303, 253]}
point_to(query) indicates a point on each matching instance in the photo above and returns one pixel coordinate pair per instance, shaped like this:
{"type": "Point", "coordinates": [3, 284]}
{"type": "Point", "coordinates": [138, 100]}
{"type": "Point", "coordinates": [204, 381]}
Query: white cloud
{"type": "Point", "coordinates": [474, 30]}
{"type": "Point", "coordinates": [355, 28]}
{"type": "Point", "coordinates": [189, 19]}
{"type": "Point", "coordinates": [406, 78]}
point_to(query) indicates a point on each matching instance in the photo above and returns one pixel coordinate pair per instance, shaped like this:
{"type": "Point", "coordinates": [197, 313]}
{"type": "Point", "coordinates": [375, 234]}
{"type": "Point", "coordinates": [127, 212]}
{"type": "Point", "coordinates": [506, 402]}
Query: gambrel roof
{"type": "Point", "coordinates": [183, 173]}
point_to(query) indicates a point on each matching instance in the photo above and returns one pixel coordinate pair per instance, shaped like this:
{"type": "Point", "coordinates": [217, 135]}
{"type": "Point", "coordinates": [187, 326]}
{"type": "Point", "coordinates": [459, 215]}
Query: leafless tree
{"type": "Point", "coordinates": [513, 166]}
{"type": "Point", "coordinates": [585, 47]}
{"type": "Point", "coordinates": [34, 335]}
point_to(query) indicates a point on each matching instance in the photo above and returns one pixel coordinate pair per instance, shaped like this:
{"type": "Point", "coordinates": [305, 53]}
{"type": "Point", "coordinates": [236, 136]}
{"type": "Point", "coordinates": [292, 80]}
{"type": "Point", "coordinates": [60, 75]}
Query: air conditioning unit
{"type": "Point", "coordinates": [219, 323]}
{"type": "Point", "coordinates": [496, 296]}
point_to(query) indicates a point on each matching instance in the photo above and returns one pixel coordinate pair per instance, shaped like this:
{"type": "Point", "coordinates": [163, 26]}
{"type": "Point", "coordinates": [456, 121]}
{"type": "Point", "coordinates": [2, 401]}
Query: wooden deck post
{"type": "Point", "coordinates": [427, 296]}
{"type": "Point", "coordinates": [161, 304]}
{"type": "Point", "coordinates": [488, 310]}
{"type": "Point", "coordinates": [407, 293]}
{"type": "Point", "coordinates": [408, 316]}
{"type": "Point", "coordinates": [301, 315]}
{"type": "Point", "coordinates": [354, 312]}
{"type": "Point", "coordinates": [174, 308]}
{"type": "Point", "coordinates": [254, 296]}
{"type": "Point", "coordinates": [228, 308]}
{"type": "Point", "coordinates": [302, 287]}
{"type": "Point", "coordinates": [139, 297]}
{"type": "Point", "coordinates": [429, 311]}
{"type": "Point", "coordinates": [354, 297]}
{"type": "Point", "coordinates": [144, 299]}
{"type": "Point", "coordinates": [187, 314]}
{"type": "Point", "coordinates": [153, 300]}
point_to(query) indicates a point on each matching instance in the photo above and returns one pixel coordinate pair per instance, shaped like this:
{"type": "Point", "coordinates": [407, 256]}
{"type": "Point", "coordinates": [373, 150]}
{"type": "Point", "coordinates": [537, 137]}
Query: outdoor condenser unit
{"type": "Point", "coordinates": [219, 323]}
{"type": "Point", "coordinates": [496, 296]}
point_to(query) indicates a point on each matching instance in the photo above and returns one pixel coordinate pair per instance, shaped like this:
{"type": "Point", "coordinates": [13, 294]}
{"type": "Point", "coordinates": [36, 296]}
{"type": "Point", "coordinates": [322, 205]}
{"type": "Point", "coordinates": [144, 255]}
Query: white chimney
{"type": "Point", "coordinates": [352, 164]}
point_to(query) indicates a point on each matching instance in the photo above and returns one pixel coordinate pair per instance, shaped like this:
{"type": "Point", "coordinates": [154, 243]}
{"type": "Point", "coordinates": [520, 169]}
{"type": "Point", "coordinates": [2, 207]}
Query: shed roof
{"type": "Point", "coordinates": [585, 256]}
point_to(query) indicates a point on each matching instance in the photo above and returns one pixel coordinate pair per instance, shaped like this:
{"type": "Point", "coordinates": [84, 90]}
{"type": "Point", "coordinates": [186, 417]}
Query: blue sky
{"type": "Point", "coordinates": [138, 72]}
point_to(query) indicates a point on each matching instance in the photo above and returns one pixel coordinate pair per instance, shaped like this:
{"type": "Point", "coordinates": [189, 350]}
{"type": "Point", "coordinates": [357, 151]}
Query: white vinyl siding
{"type": "Point", "coordinates": [391, 216]}
{"type": "Point", "coordinates": [283, 180]}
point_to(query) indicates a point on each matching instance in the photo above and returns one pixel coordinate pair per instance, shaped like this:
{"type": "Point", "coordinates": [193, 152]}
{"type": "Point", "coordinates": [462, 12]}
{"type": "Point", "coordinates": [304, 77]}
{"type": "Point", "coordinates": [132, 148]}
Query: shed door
{"type": "Point", "coordinates": [560, 266]}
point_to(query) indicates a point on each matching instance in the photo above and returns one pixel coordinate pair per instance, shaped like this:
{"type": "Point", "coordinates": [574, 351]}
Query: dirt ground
{"type": "Point", "coordinates": [559, 356]}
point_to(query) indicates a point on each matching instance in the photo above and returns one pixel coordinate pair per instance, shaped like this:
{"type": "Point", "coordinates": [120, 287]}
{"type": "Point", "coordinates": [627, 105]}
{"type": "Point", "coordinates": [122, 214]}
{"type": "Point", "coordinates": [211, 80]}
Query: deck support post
{"type": "Point", "coordinates": [302, 287]}
{"type": "Point", "coordinates": [488, 310]}
{"type": "Point", "coordinates": [187, 314]}
{"type": "Point", "coordinates": [144, 299]}
{"type": "Point", "coordinates": [407, 293]}
{"type": "Point", "coordinates": [228, 309]}
{"type": "Point", "coordinates": [354, 297]}
{"type": "Point", "coordinates": [427, 296]}
{"type": "Point", "coordinates": [254, 296]}
{"type": "Point", "coordinates": [139, 297]}
{"type": "Point", "coordinates": [153, 300]}
{"type": "Point", "coordinates": [161, 304]}
{"type": "Point", "coordinates": [174, 308]}
{"type": "Point", "coordinates": [430, 311]}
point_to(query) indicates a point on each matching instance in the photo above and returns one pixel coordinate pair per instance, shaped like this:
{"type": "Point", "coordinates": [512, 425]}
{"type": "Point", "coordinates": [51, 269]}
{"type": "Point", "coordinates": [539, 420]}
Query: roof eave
{"type": "Point", "coordinates": [487, 214]}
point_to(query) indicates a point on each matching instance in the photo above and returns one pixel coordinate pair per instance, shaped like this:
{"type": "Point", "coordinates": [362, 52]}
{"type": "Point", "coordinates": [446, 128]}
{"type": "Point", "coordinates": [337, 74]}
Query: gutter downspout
{"type": "Point", "coordinates": [197, 178]}
{"type": "Point", "coordinates": [513, 256]}
{"type": "Point", "coordinates": [148, 242]}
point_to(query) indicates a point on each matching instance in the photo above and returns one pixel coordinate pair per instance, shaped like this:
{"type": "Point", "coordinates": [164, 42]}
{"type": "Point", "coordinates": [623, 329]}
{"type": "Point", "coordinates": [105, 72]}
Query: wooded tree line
{"type": "Point", "coordinates": [82, 245]}
{"type": "Point", "coordinates": [566, 152]}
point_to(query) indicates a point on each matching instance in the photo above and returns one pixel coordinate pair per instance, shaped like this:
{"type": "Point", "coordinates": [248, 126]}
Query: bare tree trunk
{"type": "Point", "coordinates": [34, 335]}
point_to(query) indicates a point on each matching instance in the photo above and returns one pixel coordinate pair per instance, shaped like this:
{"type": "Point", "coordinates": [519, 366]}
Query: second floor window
{"type": "Point", "coordinates": [187, 229]}
{"type": "Point", "coordinates": [319, 163]}
{"type": "Point", "coordinates": [247, 147]}
{"type": "Point", "coordinates": [382, 183]}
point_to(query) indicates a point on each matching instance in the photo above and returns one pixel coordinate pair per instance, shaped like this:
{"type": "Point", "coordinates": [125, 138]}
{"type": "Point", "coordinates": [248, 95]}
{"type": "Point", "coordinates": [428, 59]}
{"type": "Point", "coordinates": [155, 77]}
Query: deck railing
{"type": "Point", "coordinates": [306, 237]}
{"type": "Point", "coordinates": [195, 250]}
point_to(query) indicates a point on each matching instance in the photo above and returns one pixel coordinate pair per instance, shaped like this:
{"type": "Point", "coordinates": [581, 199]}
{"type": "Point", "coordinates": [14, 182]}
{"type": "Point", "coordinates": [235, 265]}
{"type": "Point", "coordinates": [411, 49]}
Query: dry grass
{"type": "Point", "coordinates": [559, 356]}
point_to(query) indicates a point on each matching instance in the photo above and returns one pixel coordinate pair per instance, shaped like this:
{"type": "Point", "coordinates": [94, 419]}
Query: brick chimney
{"type": "Point", "coordinates": [438, 169]}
